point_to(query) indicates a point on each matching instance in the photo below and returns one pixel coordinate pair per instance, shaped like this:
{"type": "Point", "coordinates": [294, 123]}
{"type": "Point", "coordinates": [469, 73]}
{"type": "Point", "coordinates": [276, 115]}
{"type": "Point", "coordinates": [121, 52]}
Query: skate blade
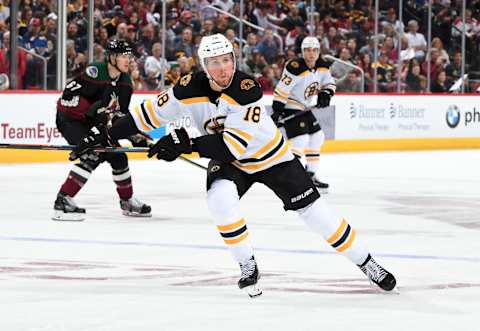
{"type": "Point", "coordinates": [134, 214]}
{"type": "Point", "coordinates": [68, 217]}
{"type": "Point", "coordinates": [253, 291]}
{"type": "Point", "coordinates": [322, 190]}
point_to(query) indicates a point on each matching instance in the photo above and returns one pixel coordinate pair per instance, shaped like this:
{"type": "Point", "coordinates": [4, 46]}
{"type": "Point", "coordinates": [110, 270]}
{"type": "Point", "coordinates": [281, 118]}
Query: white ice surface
{"type": "Point", "coordinates": [418, 212]}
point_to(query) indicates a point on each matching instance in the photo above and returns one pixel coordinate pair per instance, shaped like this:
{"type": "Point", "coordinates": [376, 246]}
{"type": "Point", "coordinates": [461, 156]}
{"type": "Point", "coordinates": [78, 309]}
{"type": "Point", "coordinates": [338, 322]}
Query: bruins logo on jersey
{"type": "Point", "coordinates": [185, 80]}
{"type": "Point", "coordinates": [215, 124]}
{"type": "Point", "coordinates": [247, 84]}
{"type": "Point", "coordinates": [312, 89]}
{"type": "Point", "coordinates": [294, 64]}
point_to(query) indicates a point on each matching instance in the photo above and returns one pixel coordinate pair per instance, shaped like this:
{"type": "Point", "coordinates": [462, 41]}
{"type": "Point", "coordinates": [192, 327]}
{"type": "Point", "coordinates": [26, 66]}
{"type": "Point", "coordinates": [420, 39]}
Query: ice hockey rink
{"type": "Point", "coordinates": [417, 211]}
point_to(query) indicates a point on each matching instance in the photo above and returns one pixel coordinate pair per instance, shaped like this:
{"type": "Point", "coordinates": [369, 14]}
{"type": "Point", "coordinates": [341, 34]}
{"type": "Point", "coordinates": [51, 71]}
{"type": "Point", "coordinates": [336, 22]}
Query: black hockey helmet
{"type": "Point", "coordinates": [117, 46]}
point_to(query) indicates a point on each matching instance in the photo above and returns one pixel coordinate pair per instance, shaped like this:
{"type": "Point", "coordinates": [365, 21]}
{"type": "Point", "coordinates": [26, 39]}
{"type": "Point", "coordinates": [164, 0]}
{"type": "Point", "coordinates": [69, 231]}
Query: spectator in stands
{"type": "Point", "coordinates": [5, 61]}
{"type": "Point", "coordinates": [185, 46]}
{"type": "Point", "coordinates": [173, 75]}
{"type": "Point", "coordinates": [102, 37]}
{"type": "Point", "coordinates": [185, 65]}
{"type": "Point", "coordinates": [269, 47]}
{"type": "Point", "coordinates": [391, 18]}
{"type": "Point", "coordinates": [147, 39]}
{"type": "Point", "coordinates": [369, 48]}
{"type": "Point", "coordinates": [413, 79]}
{"type": "Point", "coordinates": [349, 83]}
{"type": "Point", "coordinates": [137, 80]}
{"type": "Point", "coordinates": [207, 28]}
{"type": "Point", "coordinates": [75, 61]}
{"type": "Point", "coordinates": [186, 21]}
{"type": "Point", "coordinates": [79, 40]}
{"type": "Point", "coordinates": [122, 32]}
{"type": "Point", "coordinates": [4, 12]}
{"type": "Point", "coordinates": [267, 80]}
{"type": "Point", "coordinates": [251, 43]}
{"type": "Point", "coordinates": [436, 64]}
{"type": "Point", "coordinates": [98, 53]}
{"type": "Point", "coordinates": [454, 69]}
{"type": "Point", "coordinates": [132, 35]}
{"type": "Point", "coordinates": [254, 64]}
{"type": "Point", "coordinates": [440, 84]}
{"type": "Point", "coordinates": [416, 40]}
{"type": "Point", "coordinates": [339, 70]}
{"type": "Point", "coordinates": [385, 74]}
{"type": "Point", "coordinates": [261, 13]}
{"type": "Point", "coordinates": [438, 44]}
{"type": "Point", "coordinates": [154, 65]}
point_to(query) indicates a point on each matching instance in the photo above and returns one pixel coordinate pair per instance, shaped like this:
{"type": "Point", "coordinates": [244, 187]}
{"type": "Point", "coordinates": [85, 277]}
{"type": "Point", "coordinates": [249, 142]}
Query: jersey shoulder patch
{"type": "Point", "coordinates": [191, 86]}
{"type": "Point", "coordinates": [244, 89]}
{"type": "Point", "coordinates": [322, 64]}
{"type": "Point", "coordinates": [97, 71]}
{"type": "Point", "coordinates": [296, 66]}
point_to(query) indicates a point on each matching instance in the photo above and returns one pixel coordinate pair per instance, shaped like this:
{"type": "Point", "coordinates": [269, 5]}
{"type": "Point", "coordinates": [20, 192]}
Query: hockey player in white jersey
{"type": "Point", "coordinates": [302, 80]}
{"type": "Point", "coordinates": [245, 147]}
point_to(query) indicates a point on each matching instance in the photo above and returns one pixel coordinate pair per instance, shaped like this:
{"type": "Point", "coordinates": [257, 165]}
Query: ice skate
{"type": "Point", "coordinates": [65, 209]}
{"type": "Point", "coordinates": [378, 275]}
{"type": "Point", "coordinates": [249, 278]}
{"type": "Point", "coordinates": [135, 208]}
{"type": "Point", "coordinates": [322, 187]}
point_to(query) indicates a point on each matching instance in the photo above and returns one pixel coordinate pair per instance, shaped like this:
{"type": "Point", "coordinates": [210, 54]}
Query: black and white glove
{"type": "Point", "coordinates": [171, 146]}
{"type": "Point", "coordinates": [96, 137]}
{"type": "Point", "coordinates": [324, 97]}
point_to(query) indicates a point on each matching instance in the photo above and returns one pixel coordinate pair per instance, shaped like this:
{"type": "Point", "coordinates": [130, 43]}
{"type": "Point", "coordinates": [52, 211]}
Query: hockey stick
{"type": "Point", "coordinates": [109, 149]}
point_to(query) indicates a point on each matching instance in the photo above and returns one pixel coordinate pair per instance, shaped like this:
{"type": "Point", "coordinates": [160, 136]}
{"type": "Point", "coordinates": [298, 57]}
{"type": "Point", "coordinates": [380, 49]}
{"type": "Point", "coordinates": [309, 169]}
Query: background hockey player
{"type": "Point", "coordinates": [99, 95]}
{"type": "Point", "coordinates": [245, 147]}
{"type": "Point", "coordinates": [302, 79]}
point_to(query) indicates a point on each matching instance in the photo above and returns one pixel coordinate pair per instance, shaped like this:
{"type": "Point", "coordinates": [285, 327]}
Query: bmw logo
{"type": "Point", "coordinates": [453, 116]}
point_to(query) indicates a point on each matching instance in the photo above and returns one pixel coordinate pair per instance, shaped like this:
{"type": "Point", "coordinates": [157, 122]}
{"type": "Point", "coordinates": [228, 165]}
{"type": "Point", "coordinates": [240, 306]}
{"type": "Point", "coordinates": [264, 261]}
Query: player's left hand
{"type": "Point", "coordinates": [96, 137]}
{"type": "Point", "coordinates": [171, 146]}
{"type": "Point", "coordinates": [324, 97]}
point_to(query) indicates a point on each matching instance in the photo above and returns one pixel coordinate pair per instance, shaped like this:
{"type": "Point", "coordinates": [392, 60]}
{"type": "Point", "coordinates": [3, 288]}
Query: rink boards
{"type": "Point", "coordinates": [352, 123]}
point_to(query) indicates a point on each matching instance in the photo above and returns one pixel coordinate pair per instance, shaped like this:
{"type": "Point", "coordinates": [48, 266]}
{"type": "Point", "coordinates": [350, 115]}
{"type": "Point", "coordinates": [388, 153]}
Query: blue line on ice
{"type": "Point", "coordinates": [211, 247]}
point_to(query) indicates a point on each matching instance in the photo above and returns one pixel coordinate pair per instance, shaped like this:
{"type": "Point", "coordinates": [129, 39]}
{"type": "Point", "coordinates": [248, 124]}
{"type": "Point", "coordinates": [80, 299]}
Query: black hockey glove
{"type": "Point", "coordinates": [96, 137]}
{"type": "Point", "coordinates": [324, 97]}
{"type": "Point", "coordinates": [277, 117]}
{"type": "Point", "coordinates": [171, 146]}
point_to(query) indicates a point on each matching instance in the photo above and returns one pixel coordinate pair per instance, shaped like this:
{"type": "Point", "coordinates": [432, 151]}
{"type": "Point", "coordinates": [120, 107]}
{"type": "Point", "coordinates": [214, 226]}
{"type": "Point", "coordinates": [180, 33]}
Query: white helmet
{"type": "Point", "coordinates": [214, 45]}
{"type": "Point", "coordinates": [310, 42]}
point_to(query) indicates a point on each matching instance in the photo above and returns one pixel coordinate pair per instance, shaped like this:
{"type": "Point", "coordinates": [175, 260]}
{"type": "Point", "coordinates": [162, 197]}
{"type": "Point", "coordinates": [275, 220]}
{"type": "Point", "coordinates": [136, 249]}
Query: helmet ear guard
{"type": "Point", "coordinates": [215, 45]}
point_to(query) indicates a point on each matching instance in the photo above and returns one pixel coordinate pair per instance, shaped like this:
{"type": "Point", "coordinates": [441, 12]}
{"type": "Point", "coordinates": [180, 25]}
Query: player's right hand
{"type": "Point", "coordinates": [96, 137]}
{"type": "Point", "coordinates": [277, 117]}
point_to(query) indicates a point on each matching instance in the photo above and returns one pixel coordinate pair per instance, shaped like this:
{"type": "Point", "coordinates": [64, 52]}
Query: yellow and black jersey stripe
{"type": "Point", "coordinates": [267, 154]}
{"type": "Point", "coordinates": [145, 114]}
{"type": "Point", "coordinates": [236, 139]}
{"type": "Point", "coordinates": [280, 95]}
{"type": "Point", "coordinates": [343, 238]}
{"type": "Point", "coordinates": [233, 233]}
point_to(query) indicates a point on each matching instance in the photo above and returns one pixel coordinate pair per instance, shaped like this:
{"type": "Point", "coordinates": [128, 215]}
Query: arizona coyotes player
{"type": "Point", "coordinates": [100, 94]}
{"type": "Point", "coordinates": [245, 147]}
{"type": "Point", "coordinates": [302, 80]}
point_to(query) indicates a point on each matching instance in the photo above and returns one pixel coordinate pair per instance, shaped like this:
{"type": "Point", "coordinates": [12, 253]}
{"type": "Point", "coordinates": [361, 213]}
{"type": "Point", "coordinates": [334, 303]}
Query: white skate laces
{"type": "Point", "coordinates": [378, 275]}
{"type": "Point", "coordinates": [249, 278]}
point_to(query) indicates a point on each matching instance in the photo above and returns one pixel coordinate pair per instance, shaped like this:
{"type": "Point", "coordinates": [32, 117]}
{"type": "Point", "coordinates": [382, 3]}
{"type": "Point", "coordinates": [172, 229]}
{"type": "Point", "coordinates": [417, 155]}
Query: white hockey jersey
{"type": "Point", "coordinates": [237, 113]}
{"type": "Point", "coordinates": [299, 85]}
